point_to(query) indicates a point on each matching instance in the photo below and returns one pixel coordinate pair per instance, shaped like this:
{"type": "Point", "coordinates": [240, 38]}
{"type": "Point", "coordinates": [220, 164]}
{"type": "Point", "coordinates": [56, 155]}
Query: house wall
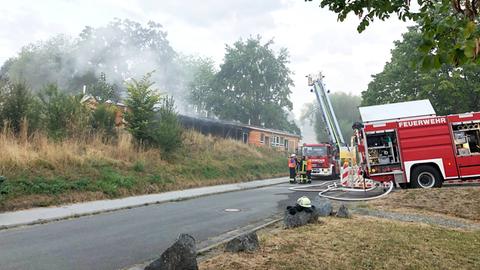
{"type": "Point", "coordinates": [255, 138]}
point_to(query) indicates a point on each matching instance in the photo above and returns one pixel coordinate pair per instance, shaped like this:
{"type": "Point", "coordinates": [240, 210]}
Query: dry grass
{"type": "Point", "coordinates": [358, 243]}
{"type": "Point", "coordinates": [18, 154]}
{"type": "Point", "coordinates": [42, 172]}
{"type": "Point", "coordinates": [462, 202]}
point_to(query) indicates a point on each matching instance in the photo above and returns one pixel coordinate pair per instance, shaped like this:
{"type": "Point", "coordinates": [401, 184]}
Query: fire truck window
{"type": "Point", "coordinates": [315, 151]}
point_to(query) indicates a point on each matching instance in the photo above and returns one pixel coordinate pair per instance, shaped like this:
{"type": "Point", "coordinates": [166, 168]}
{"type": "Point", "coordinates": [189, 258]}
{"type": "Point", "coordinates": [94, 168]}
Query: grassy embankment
{"type": "Point", "coordinates": [373, 243]}
{"type": "Point", "coordinates": [40, 172]}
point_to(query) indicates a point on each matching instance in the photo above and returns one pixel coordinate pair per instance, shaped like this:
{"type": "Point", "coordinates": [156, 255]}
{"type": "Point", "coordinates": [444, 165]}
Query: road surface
{"type": "Point", "coordinates": [123, 238]}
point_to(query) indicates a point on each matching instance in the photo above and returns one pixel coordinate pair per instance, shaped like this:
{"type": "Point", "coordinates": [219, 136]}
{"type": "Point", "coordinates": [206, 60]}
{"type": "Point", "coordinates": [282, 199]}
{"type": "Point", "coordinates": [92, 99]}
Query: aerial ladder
{"type": "Point", "coordinates": [334, 132]}
{"type": "Point", "coordinates": [350, 171]}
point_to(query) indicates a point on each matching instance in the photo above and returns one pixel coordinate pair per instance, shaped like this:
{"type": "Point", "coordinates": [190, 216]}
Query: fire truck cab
{"type": "Point", "coordinates": [408, 143]}
{"type": "Point", "coordinates": [324, 159]}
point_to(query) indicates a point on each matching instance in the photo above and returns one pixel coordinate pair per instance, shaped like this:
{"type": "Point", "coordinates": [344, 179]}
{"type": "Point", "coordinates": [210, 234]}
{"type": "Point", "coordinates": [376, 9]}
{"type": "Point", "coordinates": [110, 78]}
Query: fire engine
{"type": "Point", "coordinates": [409, 144]}
{"type": "Point", "coordinates": [324, 159]}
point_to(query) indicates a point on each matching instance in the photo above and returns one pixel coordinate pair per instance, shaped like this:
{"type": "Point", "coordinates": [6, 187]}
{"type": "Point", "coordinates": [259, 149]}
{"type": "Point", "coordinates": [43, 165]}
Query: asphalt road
{"type": "Point", "coordinates": [123, 238]}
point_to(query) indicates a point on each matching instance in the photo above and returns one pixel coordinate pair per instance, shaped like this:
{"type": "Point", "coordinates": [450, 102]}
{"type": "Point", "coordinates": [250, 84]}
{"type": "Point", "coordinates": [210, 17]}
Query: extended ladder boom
{"type": "Point", "coordinates": [328, 114]}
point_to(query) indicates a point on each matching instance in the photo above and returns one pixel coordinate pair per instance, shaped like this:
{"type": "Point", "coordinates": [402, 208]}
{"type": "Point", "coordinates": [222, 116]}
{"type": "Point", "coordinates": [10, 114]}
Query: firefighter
{"type": "Point", "coordinates": [292, 165]}
{"type": "Point", "coordinates": [309, 170]}
{"type": "Point", "coordinates": [303, 171]}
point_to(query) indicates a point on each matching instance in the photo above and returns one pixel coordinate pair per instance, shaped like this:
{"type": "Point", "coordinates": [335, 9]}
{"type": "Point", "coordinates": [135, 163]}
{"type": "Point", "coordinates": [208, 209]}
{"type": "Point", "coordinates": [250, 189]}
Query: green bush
{"type": "Point", "coordinates": [152, 120]}
{"type": "Point", "coordinates": [167, 134]}
{"type": "Point", "coordinates": [17, 104]}
{"type": "Point", "coordinates": [103, 120]}
{"type": "Point", "coordinates": [63, 115]}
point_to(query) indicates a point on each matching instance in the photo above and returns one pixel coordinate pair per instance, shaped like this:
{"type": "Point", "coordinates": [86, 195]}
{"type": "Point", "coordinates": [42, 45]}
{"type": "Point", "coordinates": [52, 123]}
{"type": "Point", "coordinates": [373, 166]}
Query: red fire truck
{"type": "Point", "coordinates": [408, 143]}
{"type": "Point", "coordinates": [324, 159]}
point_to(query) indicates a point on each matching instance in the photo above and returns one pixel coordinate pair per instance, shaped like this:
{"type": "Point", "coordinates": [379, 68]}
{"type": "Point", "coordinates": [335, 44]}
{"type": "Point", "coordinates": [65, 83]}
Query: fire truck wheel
{"type": "Point", "coordinates": [425, 176]}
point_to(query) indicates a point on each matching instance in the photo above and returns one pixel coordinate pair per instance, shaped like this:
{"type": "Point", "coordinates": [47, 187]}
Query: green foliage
{"type": "Point", "coordinates": [167, 132]}
{"type": "Point", "coordinates": [103, 119]}
{"type": "Point", "coordinates": [252, 85]}
{"type": "Point", "coordinates": [140, 116]}
{"type": "Point", "coordinates": [103, 91]}
{"type": "Point", "coordinates": [346, 109]}
{"type": "Point", "coordinates": [120, 49]}
{"type": "Point", "coordinates": [203, 74]}
{"type": "Point", "coordinates": [139, 166]}
{"type": "Point", "coordinates": [450, 32]}
{"type": "Point", "coordinates": [17, 104]}
{"type": "Point", "coordinates": [450, 89]}
{"type": "Point", "coordinates": [63, 115]}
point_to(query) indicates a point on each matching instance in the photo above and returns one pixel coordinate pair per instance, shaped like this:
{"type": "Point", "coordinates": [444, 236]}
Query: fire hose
{"type": "Point", "coordinates": [334, 187]}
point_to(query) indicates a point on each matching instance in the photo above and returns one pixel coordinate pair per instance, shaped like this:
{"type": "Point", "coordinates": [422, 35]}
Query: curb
{"type": "Point", "coordinates": [181, 198]}
{"type": "Point", "coordinates": [206, 249]}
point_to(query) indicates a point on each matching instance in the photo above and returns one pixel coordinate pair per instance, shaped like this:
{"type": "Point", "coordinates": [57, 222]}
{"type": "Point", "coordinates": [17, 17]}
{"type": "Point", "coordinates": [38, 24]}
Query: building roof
{"type": "Point", "coordinates": [240, 125]}
{"type": "Point", "coordinates": [395, 111]}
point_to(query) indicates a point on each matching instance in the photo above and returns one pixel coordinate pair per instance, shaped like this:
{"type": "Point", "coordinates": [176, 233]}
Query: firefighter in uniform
{"type": "Point", "coordinates": [292, 165]}
{"type": "Point", "coordinates": [303, 171]}
{"type": "Point", "coordinates": [309, 170]}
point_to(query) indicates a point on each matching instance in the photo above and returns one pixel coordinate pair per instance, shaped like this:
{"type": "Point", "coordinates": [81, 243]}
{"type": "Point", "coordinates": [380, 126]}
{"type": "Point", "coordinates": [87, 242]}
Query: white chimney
{"type": "Point", "coordinates": [84, 89]}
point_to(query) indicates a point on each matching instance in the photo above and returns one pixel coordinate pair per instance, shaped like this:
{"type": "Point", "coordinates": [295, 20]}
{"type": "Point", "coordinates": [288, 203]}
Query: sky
{"type": "Point", "coordinates": [314, 38]}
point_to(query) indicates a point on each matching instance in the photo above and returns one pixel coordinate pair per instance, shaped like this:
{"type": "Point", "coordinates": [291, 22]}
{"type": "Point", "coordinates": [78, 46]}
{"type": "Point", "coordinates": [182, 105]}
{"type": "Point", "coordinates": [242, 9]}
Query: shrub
{"type": "Point", "coordinates": [17, 105]}
{"type": "Point", "coordinates": [63, 115]}
{"type": "Point", "coordinates": [103, 120]}
{"type": "Point", "coordinates": [141, 103]}
{"type": "Point", "coordinates": [168, 131]}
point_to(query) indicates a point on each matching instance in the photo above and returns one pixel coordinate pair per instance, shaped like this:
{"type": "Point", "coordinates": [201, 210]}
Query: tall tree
{"type": "Point", "coordinates": [450, 29]}
{"type": "Point", "coordinates": [252, 85]}
{"type": "Point", "coordinates": [18, 105]}
{"type": "Point", "coordinates": [141, 102]}
{"type": "Point", "coordinates": [450, 89]}
{"type": "Point", "coordinates": [120, 50]}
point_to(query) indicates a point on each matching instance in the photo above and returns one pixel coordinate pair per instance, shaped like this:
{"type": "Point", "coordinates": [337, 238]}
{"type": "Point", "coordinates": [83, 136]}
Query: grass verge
{"type": "Point", "coordinates": [40, 172]}
{"type": "Point", "coordinates": [461, 202]}
{"type": "Point", "coordinates": [358, 243]}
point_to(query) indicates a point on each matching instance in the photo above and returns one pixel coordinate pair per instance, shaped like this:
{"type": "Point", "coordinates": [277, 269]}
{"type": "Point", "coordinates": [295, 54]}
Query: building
{"type": "Point", "coordinates": [120, 108]}
{"type": "Point", "coordinates": [253, 135]}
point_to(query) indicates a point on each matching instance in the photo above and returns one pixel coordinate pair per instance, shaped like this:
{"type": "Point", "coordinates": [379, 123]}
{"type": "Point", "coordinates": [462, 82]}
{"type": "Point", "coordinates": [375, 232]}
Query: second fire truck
{"type": "Point", "coordinates": [409, 144]}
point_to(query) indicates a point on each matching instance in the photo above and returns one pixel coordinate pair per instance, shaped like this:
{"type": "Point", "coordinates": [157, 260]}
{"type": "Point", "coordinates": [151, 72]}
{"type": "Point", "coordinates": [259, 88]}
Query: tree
{"type": "Point", "coordinates": [103, 120]}
{"type": "Point", "coordinates": [450, 31]}
{"type": "Point", "coordinates": [450, 89]}
{"type": "Point", "coordinates": [201, 84]}
{"type": "Point", "coordinates": [346, 109]}
{"type": "Point", "coordinates": [168, 130]}
{"type": "Point", "coordinates": [18, 105]}
{"type": "Point", "coordinates": [152, 119]}
{"type": "Point", "coordinates": [63, 115]}
{"type": "Point", "coordinates": [103, 91]}
{"type": "Point", "coordinates": [120, 50]}
{"type": "Point", "coordinates": [141, 102]}
{"type": "Point", "coordinates": [252, 86]}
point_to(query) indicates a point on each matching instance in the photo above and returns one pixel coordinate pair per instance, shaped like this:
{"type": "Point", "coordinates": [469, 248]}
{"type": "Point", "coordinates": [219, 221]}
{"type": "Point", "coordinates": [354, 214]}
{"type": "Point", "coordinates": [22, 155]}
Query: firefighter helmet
{"type": "Point", "coordinates": [304, 202]}
{"type": "Point", "coordinates": [293, 155]}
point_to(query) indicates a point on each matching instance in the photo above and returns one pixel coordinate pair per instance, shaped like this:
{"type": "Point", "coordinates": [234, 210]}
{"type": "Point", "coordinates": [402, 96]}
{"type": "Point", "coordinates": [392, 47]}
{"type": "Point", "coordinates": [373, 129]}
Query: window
{"type": "Point", "coordinates": [262, 138]}
{"type": "Point", "coordinates": [267, 140]}
{"type": "Point", "coordinates": [285, 144]}
{"type": "Point", "coordinates": [245, 137]}
{"type": "Point", "coordinates": [282, 140]}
